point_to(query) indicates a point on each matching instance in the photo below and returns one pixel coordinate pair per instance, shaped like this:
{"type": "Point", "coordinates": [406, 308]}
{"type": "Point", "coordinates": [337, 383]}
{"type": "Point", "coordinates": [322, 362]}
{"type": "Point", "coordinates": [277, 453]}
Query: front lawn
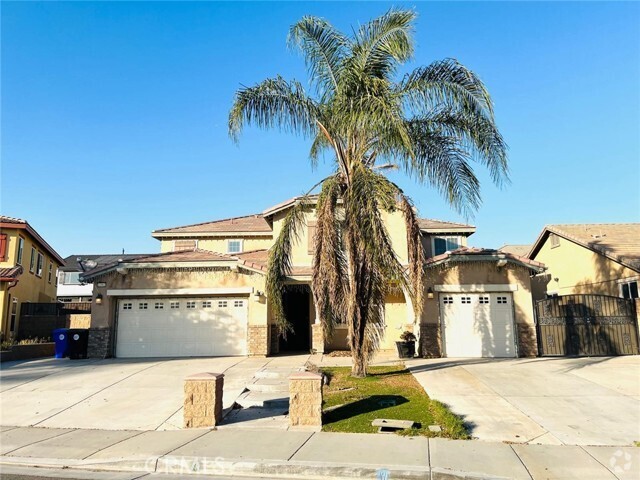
{"type": "Point", "coordinates": [351, 404]}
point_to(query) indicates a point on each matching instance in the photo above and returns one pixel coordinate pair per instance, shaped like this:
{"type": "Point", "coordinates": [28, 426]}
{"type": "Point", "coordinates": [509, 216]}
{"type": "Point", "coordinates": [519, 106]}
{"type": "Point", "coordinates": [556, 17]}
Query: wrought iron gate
{"type": "Point", "coordinates": [586, 325]}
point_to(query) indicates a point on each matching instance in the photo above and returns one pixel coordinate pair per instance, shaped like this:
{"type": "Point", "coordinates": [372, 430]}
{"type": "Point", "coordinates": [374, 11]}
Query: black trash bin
{"type": "Point", "coordinates": [78, 341]}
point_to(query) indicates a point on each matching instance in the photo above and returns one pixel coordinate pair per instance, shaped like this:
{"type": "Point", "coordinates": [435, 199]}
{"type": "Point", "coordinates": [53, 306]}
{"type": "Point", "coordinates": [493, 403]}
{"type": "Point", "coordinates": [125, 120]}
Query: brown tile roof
{"type": "Point", "coordinates": [196, 255]}
{"type": "Point", "coordinates": [5, 219]}
{"type": "Point", "coordinates": [487, 253]}
{"type": "Point", "coordinates": [19, 223]}
{"type": "Point", "coordinates": [289, 202]}
{"type": "Point", "coordinates": [259, 259]}
{"type": "Point", "coordinates": [441, 225]}
{"type": "Point", "coordinates": [618, 241]}
{"type": "Point", "coordinates": [520, 250]}
{"type": "Point", "coordinates": [249, 223]}
{"type": "Point", "coordinates": [10, 274]}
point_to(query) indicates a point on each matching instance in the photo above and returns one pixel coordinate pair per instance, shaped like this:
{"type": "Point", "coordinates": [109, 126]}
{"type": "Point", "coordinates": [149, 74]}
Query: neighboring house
{"type": "Point", "coordinates": [588, 258]}
{"type": "Point", "coordinates": [204, 294]}
{"type": "Point", "coordinates": [28, 271]}
{"type": "Point", "coordinates": [519, 250]}
{"type": "Point", "coordinates": [70, 288]}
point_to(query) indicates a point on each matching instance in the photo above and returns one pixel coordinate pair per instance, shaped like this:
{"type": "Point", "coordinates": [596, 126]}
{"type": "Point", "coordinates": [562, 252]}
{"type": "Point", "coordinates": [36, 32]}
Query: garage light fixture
{"type": "Point", "coordinates": [99, 299]}
{"type": "Point", "coordinates": [430, 292]}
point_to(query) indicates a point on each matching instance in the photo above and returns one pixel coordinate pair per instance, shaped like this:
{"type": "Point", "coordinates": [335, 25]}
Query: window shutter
{"type": "Point", "coordinates": [311, 237]}
{"type": "Point", "coordinates": [3, 247]}
{"type": "Point", "coordinates": [184, 245]}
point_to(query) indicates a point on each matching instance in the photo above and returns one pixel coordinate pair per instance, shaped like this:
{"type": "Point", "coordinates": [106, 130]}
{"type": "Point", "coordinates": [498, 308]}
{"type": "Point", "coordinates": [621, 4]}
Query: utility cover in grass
{"type": "Point", "coordinates": [351, 404]}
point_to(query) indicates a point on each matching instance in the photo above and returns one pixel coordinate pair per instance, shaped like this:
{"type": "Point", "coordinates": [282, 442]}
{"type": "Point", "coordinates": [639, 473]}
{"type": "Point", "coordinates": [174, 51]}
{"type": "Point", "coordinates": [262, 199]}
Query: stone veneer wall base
{"type": "Point", "coordinates": [429, 344]}
{"type": "Point", "coordinates": [99, 344]}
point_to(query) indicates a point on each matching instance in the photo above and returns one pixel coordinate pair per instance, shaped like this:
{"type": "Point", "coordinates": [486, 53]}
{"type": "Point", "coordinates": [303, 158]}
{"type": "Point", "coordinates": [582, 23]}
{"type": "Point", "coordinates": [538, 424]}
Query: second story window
{"type": "Point", "coordinates": [50, 272]}
{"type": "Point", "coordinates": [40, 264]}
{"type": "Point", "coordinates": [234, 246]}
{"type": "Point", "coordinates": [70, 278]}
{"type": "Point", "coordinates": [32, 263]}
{"type": "Point", "coordinates": [20, 250]}
{"type": "Point", "coordinates": [445, 244]}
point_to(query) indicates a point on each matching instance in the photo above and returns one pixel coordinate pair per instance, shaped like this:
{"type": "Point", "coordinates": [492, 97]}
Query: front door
{"type": "Point", "coordinates": [297, 302]}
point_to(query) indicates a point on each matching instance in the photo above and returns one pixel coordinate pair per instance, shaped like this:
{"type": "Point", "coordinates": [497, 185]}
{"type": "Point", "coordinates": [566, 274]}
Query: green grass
{"type": "Point", "coordinates": [351, 404]}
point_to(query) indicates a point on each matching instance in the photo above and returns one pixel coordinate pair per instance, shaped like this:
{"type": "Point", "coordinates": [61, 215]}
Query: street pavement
{"type": "Point", "coordinates": [300, 454]}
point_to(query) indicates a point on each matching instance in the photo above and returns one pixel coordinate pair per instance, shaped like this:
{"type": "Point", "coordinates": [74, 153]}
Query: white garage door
{"type": "Point", "coordinates": [478, 324]}
{"type": "Point", "coordinates": [181, 327]}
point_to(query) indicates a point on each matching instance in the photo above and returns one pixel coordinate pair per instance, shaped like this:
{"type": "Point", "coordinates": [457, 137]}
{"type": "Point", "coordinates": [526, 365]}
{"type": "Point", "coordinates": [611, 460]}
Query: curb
{"type": "Point", "coordinates": [187, 466]}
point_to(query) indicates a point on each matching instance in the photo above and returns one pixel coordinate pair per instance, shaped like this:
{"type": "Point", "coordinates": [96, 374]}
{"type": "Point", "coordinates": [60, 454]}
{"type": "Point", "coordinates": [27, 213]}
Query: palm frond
{"type": "Point", "coordinates": [445, 82]}
{"type": "Point", "coordinates": [274, 103]}
{"type": "Point", "coordinates": [279, 264]}
{"type": "Point", "coordinates": [324, 49]}
{"type": "Point", "coordinates": [329, 280]}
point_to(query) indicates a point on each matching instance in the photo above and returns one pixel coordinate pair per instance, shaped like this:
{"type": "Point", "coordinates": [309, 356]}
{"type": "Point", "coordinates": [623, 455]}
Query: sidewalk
{"type": "Point", "coordinates": [299, 454]}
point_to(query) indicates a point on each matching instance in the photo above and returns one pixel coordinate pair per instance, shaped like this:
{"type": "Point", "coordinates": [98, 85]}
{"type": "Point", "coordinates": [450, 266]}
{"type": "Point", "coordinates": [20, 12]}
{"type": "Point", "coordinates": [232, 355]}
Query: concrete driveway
{"type": "Point", "coordinates": [572, 401]}
{"type": "Point", "coordinates": [114, 394]}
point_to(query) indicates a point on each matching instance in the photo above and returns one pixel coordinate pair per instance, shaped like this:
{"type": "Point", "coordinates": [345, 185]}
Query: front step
{"type": "Point", "coordinates": [267, 385]}
{"type": "Point", "coordinates": [282, 373]}
{"type": "Point", "coordinates": [263, 400]}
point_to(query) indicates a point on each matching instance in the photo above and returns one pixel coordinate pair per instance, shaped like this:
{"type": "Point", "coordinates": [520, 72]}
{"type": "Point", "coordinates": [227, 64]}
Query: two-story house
{"type": "Point", "coordinates": [28, 271]}
{"type": "Point", "coordinates": [204, 294]}
{"type": "Point", "coordinates": [597, 258]}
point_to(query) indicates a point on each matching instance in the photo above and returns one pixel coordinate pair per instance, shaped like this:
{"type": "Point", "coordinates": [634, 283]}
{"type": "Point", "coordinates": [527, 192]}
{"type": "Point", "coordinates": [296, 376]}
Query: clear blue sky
{"type": "Point", "coordinates": [114, 114]}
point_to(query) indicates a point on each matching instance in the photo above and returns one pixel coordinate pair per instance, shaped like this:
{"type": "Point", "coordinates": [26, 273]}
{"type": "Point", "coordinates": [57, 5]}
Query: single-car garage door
{"type": "Point", "coordinates": [181, 327]}
{"type": "Point", "coordinates": [478, 324]}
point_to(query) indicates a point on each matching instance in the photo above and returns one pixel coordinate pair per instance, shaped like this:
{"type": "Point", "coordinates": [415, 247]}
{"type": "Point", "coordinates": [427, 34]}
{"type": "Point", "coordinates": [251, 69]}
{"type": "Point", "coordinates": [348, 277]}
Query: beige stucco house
{"type": "Point", "coordinates": [204, 294]}
{"type": "Point", "coordinates": [588, 258]}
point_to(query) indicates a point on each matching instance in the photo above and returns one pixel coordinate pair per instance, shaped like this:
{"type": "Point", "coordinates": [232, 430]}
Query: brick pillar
{"type": "Point", "coordinates": [527, 343]}
{"type": "Point", "coordinates": [317, 338]}
{"type": "Point", "coordinates": [258, 341]}
{"type": "Point", "coordinates": [99, 344]}
{"type": "Point", "coordinates": [203, 400]}
{"type": "Point", "coordinates": [305, 400]}
{"type": "Point", "coordinates": [429, 341]}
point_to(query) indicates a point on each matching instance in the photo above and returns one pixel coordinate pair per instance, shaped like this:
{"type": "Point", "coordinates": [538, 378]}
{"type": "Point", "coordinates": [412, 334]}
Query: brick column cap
{"type": "Point", "coordinates": [306, 376]}
{"type": "Point", "coordinates": [205, 376]}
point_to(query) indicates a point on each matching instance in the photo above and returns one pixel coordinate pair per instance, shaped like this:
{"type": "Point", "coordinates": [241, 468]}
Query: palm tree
{"type": "Point", "coordinates": [432, 123]}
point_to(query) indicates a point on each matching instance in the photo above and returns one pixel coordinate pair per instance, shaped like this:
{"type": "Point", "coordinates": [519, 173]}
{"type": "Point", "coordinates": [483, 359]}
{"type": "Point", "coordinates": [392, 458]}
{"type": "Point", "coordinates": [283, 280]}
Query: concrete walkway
{"type": "Point", "coordinates": [278, 454]}
{"type": "Point", "coordinates": [556, 401]}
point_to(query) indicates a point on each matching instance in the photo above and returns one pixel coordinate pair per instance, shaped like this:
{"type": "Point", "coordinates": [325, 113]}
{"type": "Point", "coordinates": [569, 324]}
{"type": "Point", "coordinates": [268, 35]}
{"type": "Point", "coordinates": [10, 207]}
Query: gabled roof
{"type": "Point", "coordinates": [188, 258]}
{"type": "Point", "coordinates": [313, 199]}
{"type": "Point", "coordinates": [617, 241]}
{"type": "Point", "coordinates": [82, 263]}
{"type": "Point", "coordinates": [473, 254]}
{"type": "Point", "coordinates": [255, 224]}
{"type": "Point", "coordinates": [430, 225]}
{"type": "Point", "coordinates": [19, 223]}
{"type": "Point", "coordinates": [520, 250]}
{"type": "Point", "coordinates": [10, 274]}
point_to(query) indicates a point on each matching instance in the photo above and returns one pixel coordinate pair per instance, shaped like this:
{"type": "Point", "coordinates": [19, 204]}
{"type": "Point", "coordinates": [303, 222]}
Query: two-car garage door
{"type": "Point", "coordinates": [181, 327]}
{"type": "Point", "coordinates": [478, 324]}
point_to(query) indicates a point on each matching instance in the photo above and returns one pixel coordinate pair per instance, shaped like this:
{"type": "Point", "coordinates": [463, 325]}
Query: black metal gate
{"type": "Point", "coordinates": [586, 325]}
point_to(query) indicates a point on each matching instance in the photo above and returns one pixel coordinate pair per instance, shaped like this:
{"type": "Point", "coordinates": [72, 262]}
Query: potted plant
{"type": "Point", "coordinates": [407, 345]}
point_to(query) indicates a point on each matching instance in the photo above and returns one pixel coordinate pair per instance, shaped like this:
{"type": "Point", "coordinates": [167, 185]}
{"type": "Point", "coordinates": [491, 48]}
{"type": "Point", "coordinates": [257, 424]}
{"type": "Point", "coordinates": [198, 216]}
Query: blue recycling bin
{"type": "Point", "coordinates": [61, 339]}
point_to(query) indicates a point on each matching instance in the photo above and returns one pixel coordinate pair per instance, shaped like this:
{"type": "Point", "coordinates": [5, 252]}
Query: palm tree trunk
{"type": "Point", "coordinates": [356, 322]}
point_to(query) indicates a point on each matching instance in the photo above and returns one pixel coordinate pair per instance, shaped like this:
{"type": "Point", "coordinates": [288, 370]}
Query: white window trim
{"type": "Point", "coordinates": [235, 240]}
{"type": "Point", "coordinates": [433, 242]}
{"type": "Point", "coordinates": [33, 260]}
{"type": "Point", "coordinates": [20, 252]}
{"type": "Point", "coordinates": [627, 281]}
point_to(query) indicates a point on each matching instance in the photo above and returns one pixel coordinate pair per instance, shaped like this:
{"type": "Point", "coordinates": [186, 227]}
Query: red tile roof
{"type": "Point", "coordinates": [259, 259]}
{"type": "Point", "coordinates": [483, 252]}
{"type": "Point", "coordinates": [10, 274]}
{"type": "Point", "coordinates": [249, 223]}
{"type": "Point", "coordinates": [19, 223]}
